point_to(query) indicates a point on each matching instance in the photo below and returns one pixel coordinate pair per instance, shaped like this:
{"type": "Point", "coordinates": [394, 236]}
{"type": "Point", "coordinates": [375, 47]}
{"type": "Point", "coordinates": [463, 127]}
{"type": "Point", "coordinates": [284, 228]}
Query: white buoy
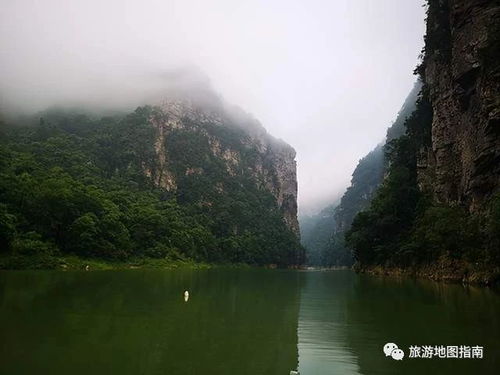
{"type": "Point", "coordinates": [186, 296]}
{"type": "Point", "coordinates": [87, 267]}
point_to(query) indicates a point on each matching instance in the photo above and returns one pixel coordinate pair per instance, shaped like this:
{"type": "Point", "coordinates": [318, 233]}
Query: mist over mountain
{"type": "Point", "coordinates": [186, 178]}
{"type": "Point", "coordinates": [323, 233]}
{"type": "Point", "coordinates": [327, 88]}
{"type": "Point", "coordinates": [249, 187]}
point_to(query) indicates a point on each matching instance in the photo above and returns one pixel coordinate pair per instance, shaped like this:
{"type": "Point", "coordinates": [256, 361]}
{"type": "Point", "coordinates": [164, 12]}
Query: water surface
{"type": "Point", "coordinates": [237, 321]}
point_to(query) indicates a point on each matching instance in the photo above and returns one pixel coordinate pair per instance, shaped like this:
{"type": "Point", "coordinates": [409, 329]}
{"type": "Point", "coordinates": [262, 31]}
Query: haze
{"type": "Point", "coordinates": [328, 77]}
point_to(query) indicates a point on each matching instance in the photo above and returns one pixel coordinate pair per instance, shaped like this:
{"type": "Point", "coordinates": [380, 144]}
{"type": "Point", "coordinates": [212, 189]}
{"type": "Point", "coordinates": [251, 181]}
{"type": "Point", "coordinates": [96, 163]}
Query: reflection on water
{"type": "Point", "coordinates": [345, 320]}
{"type": "Point", "coordinates": [237, 321]}
{"type": "Point", "coordinates": [322, 331]}
{"type": "Point", "coordinates": [137, 322]}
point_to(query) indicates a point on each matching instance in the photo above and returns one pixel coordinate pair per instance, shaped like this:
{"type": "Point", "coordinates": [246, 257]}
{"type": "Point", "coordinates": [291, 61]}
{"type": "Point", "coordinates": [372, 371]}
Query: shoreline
{"type": "Point", "coordinates": [444, 270]}
{"type": "Point", "coordinates": [75, 263]}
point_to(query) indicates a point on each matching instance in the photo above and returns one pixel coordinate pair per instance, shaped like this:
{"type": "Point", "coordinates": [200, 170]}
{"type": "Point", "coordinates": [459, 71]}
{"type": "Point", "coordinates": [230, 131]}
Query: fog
{"type": "Point", "coordinates": [326, 76]}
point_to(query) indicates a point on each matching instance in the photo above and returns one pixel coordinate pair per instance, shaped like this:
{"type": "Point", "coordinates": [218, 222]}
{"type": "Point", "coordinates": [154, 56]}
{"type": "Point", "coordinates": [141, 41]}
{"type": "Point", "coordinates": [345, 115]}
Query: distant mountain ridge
{"type": "Point", "coordinates": [324, 239]}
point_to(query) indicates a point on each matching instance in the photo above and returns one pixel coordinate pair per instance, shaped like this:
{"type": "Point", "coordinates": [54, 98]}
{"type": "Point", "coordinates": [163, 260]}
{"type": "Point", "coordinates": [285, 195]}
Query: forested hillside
{"type": "Point", "coordinates": [324, 241]}
{"type": "Point", "coordinates": [77, 184]}
{"type": "Point", "coordinates": [438, 210]}
{"type": "Point", "coordinates": [318, 239]}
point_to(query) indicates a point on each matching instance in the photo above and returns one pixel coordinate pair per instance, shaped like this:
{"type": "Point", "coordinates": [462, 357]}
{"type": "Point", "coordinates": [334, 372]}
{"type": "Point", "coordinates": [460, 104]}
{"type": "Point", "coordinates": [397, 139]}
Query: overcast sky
{"type": "Point", "coordinates": [327, 76]}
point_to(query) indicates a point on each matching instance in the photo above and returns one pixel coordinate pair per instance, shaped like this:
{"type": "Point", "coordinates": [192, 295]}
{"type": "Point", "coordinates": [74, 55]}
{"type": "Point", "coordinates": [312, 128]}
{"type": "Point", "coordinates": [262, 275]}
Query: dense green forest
{"type": "Point", "coordinates": [74, 184]}
{"type": "Point", "coordinates": [406, 227]}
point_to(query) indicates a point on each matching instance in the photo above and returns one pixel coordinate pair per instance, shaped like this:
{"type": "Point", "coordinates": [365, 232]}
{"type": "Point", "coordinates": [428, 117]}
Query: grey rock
{"type": "Point", "coordinates": [462, 165]}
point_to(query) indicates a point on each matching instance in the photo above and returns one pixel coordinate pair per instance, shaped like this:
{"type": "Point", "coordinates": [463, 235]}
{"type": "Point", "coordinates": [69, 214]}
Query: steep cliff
{"type": "Point", "coordinates": [437, 211]}
{"type": "Point", "coordinates": [232, 137]}
{"type": "Point", "coordinates": [461, 71]}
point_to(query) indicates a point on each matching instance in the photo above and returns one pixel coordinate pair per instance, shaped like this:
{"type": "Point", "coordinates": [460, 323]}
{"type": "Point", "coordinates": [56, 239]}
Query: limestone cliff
{"type": "Point", "coordinates": [461, 71]}
{"type": "Point", "coordinates": [437, 211]}
{"type": "Point", "coordinates": [234, 139]}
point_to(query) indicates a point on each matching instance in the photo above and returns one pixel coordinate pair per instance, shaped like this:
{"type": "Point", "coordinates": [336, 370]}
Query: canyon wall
{"type": "Point", "coordinates": [461, 71]}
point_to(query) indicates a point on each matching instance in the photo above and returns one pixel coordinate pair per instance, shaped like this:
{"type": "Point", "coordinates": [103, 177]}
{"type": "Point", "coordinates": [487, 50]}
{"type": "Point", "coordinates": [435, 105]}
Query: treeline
{"type": "Point", "coordinates": [74, 184]}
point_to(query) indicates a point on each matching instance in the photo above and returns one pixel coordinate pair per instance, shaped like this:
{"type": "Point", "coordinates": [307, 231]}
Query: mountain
{"type": "Point", "coordinates": [437, 211]}
{"type": "Point", "coordinates": [460, 163]}
{"type": "Point", "coordinates": [229, 137]}
{"type": "Point", "coordinates": [366, 178]}
{"type": "Point", "coordinates": [315, 234]}
{"type": "Point", "coordinates": [323, 234]}
{"type": "Point", "coordinates": [189, 178]}
{"type": "Point", "coordinates": [369, 172]}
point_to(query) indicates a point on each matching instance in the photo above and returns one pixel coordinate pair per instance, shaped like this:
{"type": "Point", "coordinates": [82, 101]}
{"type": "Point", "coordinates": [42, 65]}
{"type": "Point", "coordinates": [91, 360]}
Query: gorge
{"type": "Point", "coordinates": [189, 177]}
{"type": "Point", "coordinates": [250, 187]}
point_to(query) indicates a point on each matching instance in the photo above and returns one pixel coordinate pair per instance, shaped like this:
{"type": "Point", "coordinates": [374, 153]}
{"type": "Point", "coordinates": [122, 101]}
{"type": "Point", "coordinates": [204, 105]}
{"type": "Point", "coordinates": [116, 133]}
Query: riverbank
{"type": "Point", "coordinates": [319, 268]}
{"type": "Point", "coordinates": [93, 264]}
{"type": "Point", "coordinates": [445, 270]}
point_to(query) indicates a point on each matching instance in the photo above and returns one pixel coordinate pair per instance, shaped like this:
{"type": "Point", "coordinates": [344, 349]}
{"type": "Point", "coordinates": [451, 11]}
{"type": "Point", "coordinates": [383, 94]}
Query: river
{"type": "Point", "coordinates": [239, 321]}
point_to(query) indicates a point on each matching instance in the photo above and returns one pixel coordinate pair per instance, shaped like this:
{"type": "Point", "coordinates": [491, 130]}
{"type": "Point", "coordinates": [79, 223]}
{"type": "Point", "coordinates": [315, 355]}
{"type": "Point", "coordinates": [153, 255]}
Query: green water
{"type": "Point", "coordinates": [238, 321]}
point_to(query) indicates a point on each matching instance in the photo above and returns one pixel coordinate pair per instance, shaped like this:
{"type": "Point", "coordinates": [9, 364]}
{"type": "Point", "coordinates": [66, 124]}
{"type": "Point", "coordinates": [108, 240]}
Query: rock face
{"type": "Point", "coordinates": [461, 71]}
{"type": "Point", "coordinates": [235, 139]}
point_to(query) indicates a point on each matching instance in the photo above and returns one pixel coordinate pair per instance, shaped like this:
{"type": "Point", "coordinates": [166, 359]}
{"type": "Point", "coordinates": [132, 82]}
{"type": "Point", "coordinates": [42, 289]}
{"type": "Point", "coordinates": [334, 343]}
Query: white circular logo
{"type": "Point", "coordinates": [392, 350]}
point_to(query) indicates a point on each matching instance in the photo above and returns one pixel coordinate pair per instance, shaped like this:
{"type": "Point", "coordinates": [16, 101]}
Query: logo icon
{"type": "Point", "coordinates": [392, 350]}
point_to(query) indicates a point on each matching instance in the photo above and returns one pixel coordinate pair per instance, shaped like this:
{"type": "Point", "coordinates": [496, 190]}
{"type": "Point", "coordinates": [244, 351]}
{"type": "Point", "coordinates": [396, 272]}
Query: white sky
{"type": "Point", "coordinates": [327, 76]}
